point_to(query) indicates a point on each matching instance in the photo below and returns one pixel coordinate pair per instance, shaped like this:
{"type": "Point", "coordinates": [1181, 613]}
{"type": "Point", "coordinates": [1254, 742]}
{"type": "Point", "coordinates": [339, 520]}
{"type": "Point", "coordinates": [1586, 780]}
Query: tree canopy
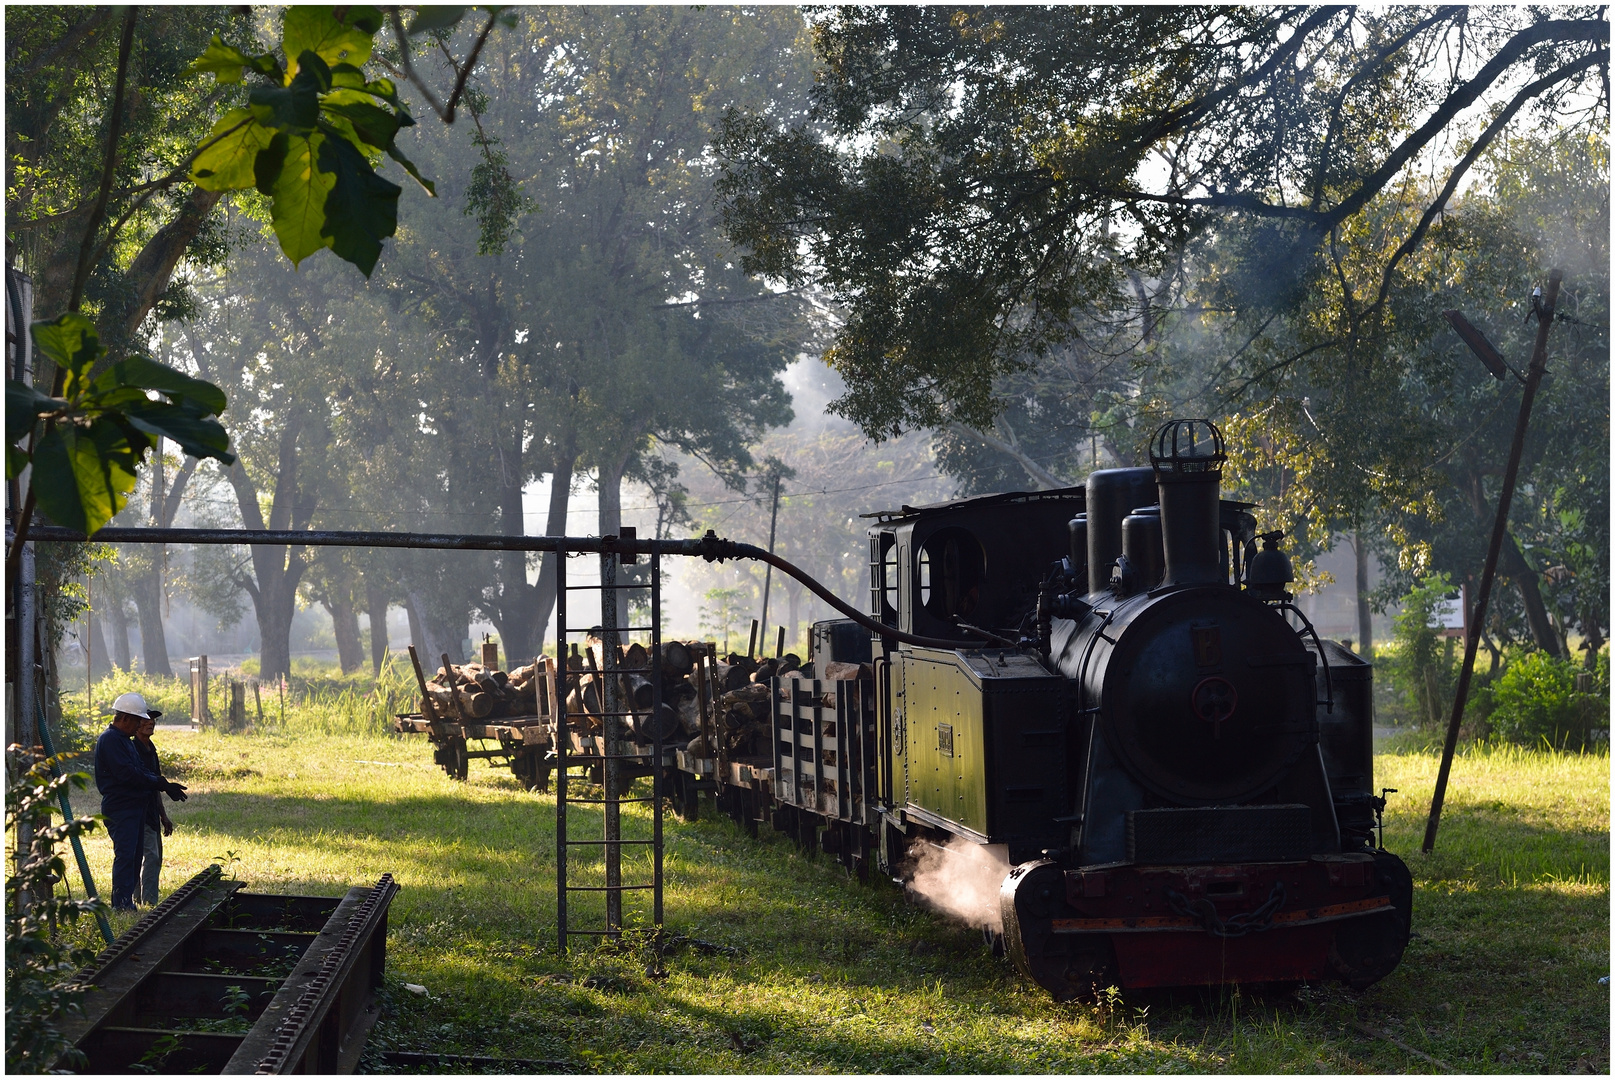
{"type": "Point", "coordinates": [972, 183]}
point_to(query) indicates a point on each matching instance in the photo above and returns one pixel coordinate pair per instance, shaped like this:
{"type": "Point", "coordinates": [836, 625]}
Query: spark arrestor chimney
{"type": "Point", "coordinates": [1188, 456]}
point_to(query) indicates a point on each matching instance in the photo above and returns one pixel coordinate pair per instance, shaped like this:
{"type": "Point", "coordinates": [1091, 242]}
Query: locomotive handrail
{"type": "Point", "coordinates": [1328, 681]}
{"type": "Point", "coordinates": [710, 547]}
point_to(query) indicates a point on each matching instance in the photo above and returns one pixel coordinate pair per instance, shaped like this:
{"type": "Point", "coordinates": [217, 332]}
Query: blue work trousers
{"type": "Point", "coordinates": [151, 864]}
{"type": "Point", "coordinates": [127, 828]}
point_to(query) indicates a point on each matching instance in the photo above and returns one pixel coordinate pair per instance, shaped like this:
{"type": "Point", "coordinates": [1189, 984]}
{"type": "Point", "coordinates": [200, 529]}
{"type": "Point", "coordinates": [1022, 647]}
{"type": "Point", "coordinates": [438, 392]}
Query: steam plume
{"type": "Point", "coordinates": [961, 879]}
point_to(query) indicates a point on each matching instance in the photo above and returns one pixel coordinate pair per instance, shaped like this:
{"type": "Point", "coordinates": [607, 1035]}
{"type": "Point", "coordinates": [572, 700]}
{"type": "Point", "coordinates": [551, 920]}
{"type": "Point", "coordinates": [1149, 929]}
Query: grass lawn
{"type": "Point", "coordinates": [1511, 933]}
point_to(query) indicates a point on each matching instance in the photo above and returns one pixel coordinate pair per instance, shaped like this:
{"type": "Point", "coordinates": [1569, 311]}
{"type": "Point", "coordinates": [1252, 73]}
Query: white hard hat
{"type": "Point", "coordinates": [133, 704]}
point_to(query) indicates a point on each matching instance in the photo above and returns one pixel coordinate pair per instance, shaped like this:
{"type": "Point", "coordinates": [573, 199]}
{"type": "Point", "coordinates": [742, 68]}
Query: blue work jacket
{"type": "Point", "coordinates": [122, 778]}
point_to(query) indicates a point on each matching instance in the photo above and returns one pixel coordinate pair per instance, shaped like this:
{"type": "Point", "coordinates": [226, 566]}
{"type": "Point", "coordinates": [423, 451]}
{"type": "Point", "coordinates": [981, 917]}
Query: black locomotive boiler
{"type": "Point", "coordinates": [1177, 767]}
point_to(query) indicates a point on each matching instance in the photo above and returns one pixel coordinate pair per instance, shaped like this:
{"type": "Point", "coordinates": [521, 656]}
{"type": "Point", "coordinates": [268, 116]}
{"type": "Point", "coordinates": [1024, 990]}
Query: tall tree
{"type": "Point", "coordinates": [972, 181]}
{"type": "Point", "coordinates": [594, 307]}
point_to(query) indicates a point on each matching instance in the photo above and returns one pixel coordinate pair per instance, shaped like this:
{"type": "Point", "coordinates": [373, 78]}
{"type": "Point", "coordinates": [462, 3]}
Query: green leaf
{"type": "Point", "coordinates": [24, 404]}
{"type": "Point", "coordinates": [16, 462]}
{"type": "Point", "coordinates": [428, 19]}
{"type": "Point", "coordinates": [144, 373]}
{"type": "Point", "coordinates": [362, 207]}
{"type": "Point", "coordinates": [227, 62]}
{"type": "Point", "coordinates": [373, 124]}
{"type": "Point", "coordinates": [294, 108]}
{"type": "Point", "coordinates": [82, 476]}
{"type": "Point", "coordinates": [196, 433]}
{"type": "Point", "coordinates": [228, 164]}
{"type": "Point", "coordinates": [299, 194]}
{"type": "Point", "coordinates": [409, 167]}
{"type": "Point", "coordinates": [71, 343]}
{"type": "Point", "coordinates": [267, 166]}
{"type": "Point", "coordinates": [348, 77]}
{"type": "Point", "coordinates": [315, 28]}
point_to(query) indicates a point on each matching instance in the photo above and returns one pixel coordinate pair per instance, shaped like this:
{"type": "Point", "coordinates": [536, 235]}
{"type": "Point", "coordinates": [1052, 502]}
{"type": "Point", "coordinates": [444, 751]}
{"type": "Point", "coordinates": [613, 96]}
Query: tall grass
{"type": "Point", "coordinates": [317, 699]}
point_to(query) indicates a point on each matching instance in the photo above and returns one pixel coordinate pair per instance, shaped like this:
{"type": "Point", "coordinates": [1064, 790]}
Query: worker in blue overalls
{"type": "Point", "coordinates": [126, 787]}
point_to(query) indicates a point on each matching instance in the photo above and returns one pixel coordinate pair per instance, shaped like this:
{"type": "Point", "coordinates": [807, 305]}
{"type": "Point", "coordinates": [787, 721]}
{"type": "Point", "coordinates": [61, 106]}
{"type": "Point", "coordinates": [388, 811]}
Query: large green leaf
{"type": "Point", "coordinates": [82, 476]}
{"type": "Point", "coordinates": [349, 77]}
{"type": "Point", "coordinates": [24, 404]}
{"type": "Point", "coordinates": [362, 207]}
{"type": "Point", "coordinates": [71, 343]}
{"type": "Point", "coordinates": [197, 434]}
{"type": "Point", "coordinates": [294, 108]}
{"type": "Point", "coordinates": [147, 374]}
{"type": "Point", "coordinates": [442, 17]}
{"type": "Point", "coordinates": [300, 189]}
{"type": "Point", "coordinates": [227, 63]}
{"type": "Point", "coordinates": [228, 164]}
{"type": "Point", "coordinates": [316, 28]}
{"type": "Point", "coordinates": [373, 124]}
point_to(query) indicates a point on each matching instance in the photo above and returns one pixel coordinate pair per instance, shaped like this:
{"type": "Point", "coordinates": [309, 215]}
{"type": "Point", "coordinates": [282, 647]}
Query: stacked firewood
{"type": "Point", "coordinates": [680, 707]}
{"type": "Point", "coordinates": [481, 693]}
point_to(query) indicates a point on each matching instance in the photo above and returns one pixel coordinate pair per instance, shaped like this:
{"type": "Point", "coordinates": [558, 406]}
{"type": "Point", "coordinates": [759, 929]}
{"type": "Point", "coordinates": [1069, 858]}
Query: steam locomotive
{"type": "Point", "coordinates": [1121, 702]}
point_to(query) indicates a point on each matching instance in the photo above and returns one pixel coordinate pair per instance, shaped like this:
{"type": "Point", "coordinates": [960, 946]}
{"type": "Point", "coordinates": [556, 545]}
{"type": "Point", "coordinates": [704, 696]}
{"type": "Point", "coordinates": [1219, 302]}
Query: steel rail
{"type": "Point", "coordinates": [711, 547]}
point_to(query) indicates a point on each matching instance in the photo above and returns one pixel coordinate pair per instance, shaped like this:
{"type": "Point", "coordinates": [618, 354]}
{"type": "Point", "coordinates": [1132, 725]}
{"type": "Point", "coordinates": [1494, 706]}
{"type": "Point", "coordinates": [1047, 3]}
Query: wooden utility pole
{"type": "Point", "coordinates": [1533, 379]}
{"type": "Point", "coordinates": [768, 571]}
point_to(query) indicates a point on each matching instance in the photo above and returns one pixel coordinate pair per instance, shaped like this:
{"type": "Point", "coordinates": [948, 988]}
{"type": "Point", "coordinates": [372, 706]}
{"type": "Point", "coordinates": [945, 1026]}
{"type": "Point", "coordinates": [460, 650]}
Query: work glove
{"type": "Point", "coordinates": [176, 792]}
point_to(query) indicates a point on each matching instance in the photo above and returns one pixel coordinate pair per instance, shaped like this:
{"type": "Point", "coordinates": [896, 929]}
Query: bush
{"type": "Point", "coordinates": [40, 960]}
{"type": "Point", "coordinates": [1421, 665]}
{"type": "Point", "coordinates": [1536, 700]}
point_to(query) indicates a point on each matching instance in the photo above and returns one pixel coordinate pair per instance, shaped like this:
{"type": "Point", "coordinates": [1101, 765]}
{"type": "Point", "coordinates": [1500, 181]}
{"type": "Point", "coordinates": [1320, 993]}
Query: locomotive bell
{"type": "Point", "coordinates": [1187, 456]}
{"type": "Point", "coordinates": [1269, 570]}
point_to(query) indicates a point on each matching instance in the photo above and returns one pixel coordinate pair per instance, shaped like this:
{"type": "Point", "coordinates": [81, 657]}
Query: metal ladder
{"type": "Point", "coordinates": [622, 760]}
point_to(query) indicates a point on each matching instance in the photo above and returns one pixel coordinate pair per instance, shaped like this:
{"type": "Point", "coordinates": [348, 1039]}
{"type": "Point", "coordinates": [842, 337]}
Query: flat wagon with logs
{"type": "Point", "coordinates": [716, 721]}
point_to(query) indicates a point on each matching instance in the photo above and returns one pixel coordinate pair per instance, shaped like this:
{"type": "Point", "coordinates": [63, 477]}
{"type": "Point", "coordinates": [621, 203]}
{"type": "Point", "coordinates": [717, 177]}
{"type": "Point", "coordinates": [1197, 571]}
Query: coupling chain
{"type": "Point", "coordinates": [1245, 922]}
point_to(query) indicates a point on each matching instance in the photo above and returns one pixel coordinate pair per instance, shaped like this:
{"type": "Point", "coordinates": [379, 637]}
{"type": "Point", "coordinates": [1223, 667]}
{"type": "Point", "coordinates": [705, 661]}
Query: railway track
{"type": "Point", "coordinates": [218, 980]}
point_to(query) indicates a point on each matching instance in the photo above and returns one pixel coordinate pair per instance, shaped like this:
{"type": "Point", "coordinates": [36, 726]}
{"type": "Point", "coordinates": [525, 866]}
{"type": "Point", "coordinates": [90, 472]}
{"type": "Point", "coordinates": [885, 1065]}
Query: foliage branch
{"type": "Point", "coordinates": [40, 962]}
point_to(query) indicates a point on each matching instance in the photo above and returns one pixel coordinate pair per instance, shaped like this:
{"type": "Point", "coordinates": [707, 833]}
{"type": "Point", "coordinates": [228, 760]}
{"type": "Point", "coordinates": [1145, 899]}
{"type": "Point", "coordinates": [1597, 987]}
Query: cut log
{"type": "Point", "coordinates": [677, 659]}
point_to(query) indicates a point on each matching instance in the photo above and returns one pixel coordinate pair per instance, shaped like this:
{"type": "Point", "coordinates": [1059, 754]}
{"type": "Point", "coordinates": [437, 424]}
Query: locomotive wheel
{"type": "Point", "coordinates": [1069, 966]}
{"type": "Point", "coordinates": [1367, 949]}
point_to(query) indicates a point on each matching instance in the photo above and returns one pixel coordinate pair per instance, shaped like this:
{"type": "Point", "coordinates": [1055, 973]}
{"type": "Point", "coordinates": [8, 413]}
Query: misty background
{"type": "Point", "coordinates": [562, 342]}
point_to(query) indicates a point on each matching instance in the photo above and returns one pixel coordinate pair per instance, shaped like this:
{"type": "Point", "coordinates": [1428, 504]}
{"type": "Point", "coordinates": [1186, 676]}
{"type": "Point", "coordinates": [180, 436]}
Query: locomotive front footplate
{"type": "Point", "coordinates": [1077, 931]}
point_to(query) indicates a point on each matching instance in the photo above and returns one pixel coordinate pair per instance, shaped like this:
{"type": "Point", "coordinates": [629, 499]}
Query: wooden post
{"type": "Point", "coordinates": [490, 655]}
{"type": "Point", "coordinates": [428, 710]}
{"type": "Point", "coordinates": [614, 742]}
{"type": "Point", "coordinates": [258, 700]}
{"type": "Point", "coordinates": [238, 705]}
{"type": "Point", "coordinates": [1505, 497]}
{"type": "Point", "coordinates": [779, 646]}
{"type": "Point", "coordinates": [751, 648]}
{"type": "Point", "coordinates": [454, 694]}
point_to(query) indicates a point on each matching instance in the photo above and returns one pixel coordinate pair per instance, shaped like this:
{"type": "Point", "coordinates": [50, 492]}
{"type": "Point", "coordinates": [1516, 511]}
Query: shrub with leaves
{"type": "Point", "coordinates": [1536, 699]}
{"type": "Point", "coordinates": [1421, 666]}
{"type": "Point", "coordinates": [40, 964]}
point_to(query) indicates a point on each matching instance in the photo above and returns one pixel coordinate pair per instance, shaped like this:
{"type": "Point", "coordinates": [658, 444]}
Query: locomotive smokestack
{"type": "Point", "coordinates": [1188, 456]}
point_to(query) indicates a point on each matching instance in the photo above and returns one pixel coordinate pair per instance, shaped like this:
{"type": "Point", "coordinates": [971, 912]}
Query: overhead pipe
{"type": "Point", "coordinates": [711, 547]}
